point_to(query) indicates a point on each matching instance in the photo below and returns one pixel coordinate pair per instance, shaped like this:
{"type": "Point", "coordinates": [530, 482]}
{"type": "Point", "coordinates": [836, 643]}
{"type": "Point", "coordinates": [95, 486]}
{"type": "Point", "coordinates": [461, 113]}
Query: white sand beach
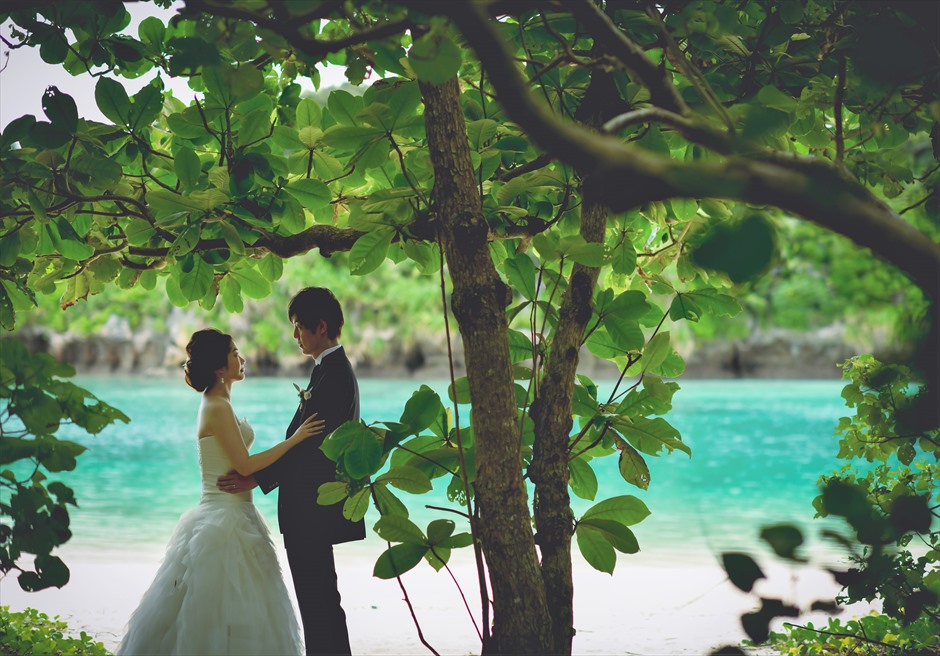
{"type": "Point", "coordinates": [648, 606]}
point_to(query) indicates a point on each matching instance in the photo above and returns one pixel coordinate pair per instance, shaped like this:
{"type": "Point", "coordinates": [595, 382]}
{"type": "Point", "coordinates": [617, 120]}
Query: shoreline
{"type": "Point", "coordinates": [649, 606]}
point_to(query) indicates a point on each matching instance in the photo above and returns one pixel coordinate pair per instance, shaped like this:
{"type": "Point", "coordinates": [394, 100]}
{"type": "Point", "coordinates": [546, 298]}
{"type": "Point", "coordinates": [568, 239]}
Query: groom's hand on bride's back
{"type": "Point", "coordinates": [233, 482]}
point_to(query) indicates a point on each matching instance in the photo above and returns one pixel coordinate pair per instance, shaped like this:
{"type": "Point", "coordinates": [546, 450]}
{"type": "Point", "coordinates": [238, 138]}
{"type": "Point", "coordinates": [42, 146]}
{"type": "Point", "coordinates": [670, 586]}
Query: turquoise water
{"type": "Point", "coordinates": [758, 448]}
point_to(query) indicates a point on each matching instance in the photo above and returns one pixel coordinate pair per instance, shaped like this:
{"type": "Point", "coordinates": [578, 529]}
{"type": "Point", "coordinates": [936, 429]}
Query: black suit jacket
{"type": "Point", "coordinates": [335, 398]}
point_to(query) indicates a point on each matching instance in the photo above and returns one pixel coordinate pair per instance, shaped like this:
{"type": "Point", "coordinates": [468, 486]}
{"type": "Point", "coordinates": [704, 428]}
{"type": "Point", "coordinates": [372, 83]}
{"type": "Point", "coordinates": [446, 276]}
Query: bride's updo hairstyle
{"type": "Point", "coordinates": [208, 352]}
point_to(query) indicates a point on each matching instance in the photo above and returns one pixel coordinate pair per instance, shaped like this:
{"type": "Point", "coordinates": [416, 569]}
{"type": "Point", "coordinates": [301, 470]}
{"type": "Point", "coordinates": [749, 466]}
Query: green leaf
{"type": "Point", "coordinates": [459, 391]}
{"type": "Point", "coordinates": [66, 242]}
{"type": "Point", "coordinates": [631, 305]}
{"type": "Point", "coordinates": [174, 294]}
{"type": "Point", "coordinates": [112, 100]}
{"type": "Point", "coordinates": [232, 85]}
{"type": "Point", "coordinates": [195, 277]}
{"type": "Point", "coordinates": [336, 443]}
{"type": "Point", "coordinates": [356, 506]}
{"type": "Point", "coordinates": [458, 541]}
{"type": "Point", "coordinates": [625, 335]}
{"type": "Point", "coordinates": [312, 194]}
{"type": "Point", "coordinates": [656, 351]}
{"type": "Point", "coordinates": [426, 256]}
{"type": "Point", "coordinates": [271, 267]}
{"type": "Point", "coordinates": [363, 456]}
{"type": "Point", "coordinates": [770, 96]}
{"type": "Point", "coordinates": [784, 539]}
{"type": "Point", "coordinates": [714, 302]}
{"type": "Point", "coordinates": [597, 551]}
{"type": "Point", "coordinates": [370, 250]}
{"type": "Point", "coordinates": [583, 480]}
{"type": "Point", "coordinates": [742, 570]}
{"type": "Point", "coordinates": [63, 493]}
{"type": "Point", "coordinates": [332, 492]}
{"type": "Point", "coordinates": [39, 413]}
{"type": "Point", "coordinates": [743, 250]}
{"type": "Point", "coordinates": [254, 127]}
{"type": "Point", "coordinates": [387, 502]}
{"type": "Point", "coordinates": [481, 131]}
{"type": "Point", "coordinates": [60, 109]}
{"type": "Point", "coordinates": [308, 114]}
{"type": "Point", "coordinates": [633, 467]}
{"type": "Point", "coordinates": [62, 456]}
{"type": "Point", "coordinates": [617, 535]}
{"type": "Point", "coordinates": [231, 293]}
{"type": "Point", "coordinates": [421, 410]}
{"type": "Point", "coordinates": [145, 108]}
{"type": "Point", "coordinates": [623, 259]}
{"type": "Point", "coordinates": [232, 239]}
{"type": "Point", "coordinates": [407, 478]}
{"type": "Point", "coordinates": [310, 137]}
{"type": "Point", "coordinates": [246, 81]}
{"type": "Point", "coordinates": [188, 168]}
{"type": "Point", "coordinates": [7, 312]}
{"type": "Point", "coordinates": [520, 346]}
{"type": "Point", "coordinates": [439, 531]}
{"type": "Point", "coordinates": [627, 510]}
{"type": "Point", "coordinates": [684, 307]}
{"type": "Point", "coordinates": [435, 57]}
{"type": "Point", "coordinates": [521, 273]}
{"type": "Point", "coordinates": [152, 32]}
{"type": "Point", "coordinates": [398, 559]}
{"type": "Point", "coordinates": [164, 202]}
{"type": "Point", "coordinates": [187, 124]}
{"type": "Point", "coordinates": [437, 557]}
{"type": "Point", "coordinates": [185, 241]}
{"type": "Point", "coordinates": [603, 345]}
{"type": "Point", "coordinates": [251, 282]}
{"type": "Point", "coordinates": [395, 528]}
{"type": "Point", "coordinates": [344, 107]}
{"type": "Point", "coordinates": [583, 404]}
{"type": "Point", "coordinates": [52, 571]}
{"type": "Point", "coordinates": [650, 436]}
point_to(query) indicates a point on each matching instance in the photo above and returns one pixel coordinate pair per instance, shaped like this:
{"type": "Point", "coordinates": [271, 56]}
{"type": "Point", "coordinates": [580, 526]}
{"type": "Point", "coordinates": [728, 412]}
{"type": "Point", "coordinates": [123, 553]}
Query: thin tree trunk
{"type": "Point", "coordinates": [521, 622]}
{"type": "Point", "coordinates": [551, 410]}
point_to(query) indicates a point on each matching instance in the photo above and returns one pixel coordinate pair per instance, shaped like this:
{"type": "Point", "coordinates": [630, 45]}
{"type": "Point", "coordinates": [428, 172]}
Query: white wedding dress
{"type": "Point", "coordinates": [219, 589]}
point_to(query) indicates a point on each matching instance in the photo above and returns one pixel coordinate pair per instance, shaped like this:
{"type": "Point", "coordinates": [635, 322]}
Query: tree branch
{"type": "Point", "coordinates": [662, 92]}
{"type": "Point", "coordinates": [289, 29]}
{"type": "Point", "coordinates": [814, 190]}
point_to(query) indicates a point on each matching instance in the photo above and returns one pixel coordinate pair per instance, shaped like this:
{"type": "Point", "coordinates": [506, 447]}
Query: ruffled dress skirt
{"type": "Point", "coordinates": [219, 589]}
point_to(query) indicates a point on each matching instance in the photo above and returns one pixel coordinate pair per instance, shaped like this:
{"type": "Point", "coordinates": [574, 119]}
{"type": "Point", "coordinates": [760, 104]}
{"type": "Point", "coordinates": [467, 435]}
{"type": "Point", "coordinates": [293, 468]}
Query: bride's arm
{"type": "Point", "coordinates": [220, 421]}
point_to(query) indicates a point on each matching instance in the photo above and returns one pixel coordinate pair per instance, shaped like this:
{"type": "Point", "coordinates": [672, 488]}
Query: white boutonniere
{"type": "Point", "coordinates": [304, 394]}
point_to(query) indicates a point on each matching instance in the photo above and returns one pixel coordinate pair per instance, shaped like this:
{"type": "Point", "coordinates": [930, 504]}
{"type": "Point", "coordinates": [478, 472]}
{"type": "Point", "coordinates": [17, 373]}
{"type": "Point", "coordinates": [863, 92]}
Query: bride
{"type": "Point", "coordinates": [219, 589]}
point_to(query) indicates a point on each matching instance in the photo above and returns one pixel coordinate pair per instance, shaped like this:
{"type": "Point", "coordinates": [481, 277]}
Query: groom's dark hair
{"type": "Point", "coordinates": [314, 304]}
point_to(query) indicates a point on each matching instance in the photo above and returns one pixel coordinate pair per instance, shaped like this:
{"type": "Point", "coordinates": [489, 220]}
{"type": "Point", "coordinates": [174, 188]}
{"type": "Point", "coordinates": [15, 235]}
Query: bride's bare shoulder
{"type": "Point", "coordinates": [214, 413]}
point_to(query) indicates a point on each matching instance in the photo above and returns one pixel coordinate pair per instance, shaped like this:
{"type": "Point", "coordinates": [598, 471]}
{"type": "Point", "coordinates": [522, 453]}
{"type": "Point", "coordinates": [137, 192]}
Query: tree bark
{"type": "Point", "coordinates": [521, 622]}
{"type": "Point", "coordinates": [551, 412]}
{"type": "Point", "coordinates": [551, 409]}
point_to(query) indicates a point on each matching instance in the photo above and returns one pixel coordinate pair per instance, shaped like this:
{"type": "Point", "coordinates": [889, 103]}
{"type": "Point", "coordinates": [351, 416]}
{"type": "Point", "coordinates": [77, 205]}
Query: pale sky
{"type": "Point", "coordinates": [25, 76]}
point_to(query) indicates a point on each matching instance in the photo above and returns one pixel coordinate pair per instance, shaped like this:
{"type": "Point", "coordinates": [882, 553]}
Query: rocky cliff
{"type": "Point", "coordinates": [765, 354]}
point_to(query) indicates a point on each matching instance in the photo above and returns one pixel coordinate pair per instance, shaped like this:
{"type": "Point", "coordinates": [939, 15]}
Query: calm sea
{"type": "Point", "coordinates": [758, 449]}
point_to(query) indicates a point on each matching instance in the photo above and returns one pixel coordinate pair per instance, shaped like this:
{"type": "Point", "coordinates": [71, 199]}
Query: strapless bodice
{"type": "Point", "coordinates": [214, 462]}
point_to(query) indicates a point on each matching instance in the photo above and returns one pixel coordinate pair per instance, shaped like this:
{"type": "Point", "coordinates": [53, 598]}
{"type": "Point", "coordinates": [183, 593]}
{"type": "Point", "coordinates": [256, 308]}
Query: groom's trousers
{"type": "Point", "coordinates": [314, 572]}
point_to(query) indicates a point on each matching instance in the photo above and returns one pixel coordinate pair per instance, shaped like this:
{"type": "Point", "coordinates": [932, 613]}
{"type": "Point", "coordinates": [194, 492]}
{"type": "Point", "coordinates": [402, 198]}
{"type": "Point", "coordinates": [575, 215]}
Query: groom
{"type": "Point", "coordinates": [310, 530]}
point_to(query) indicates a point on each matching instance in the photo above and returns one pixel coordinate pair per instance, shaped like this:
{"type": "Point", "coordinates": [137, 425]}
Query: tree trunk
{"type": "Point", "coordinates": [521, 623]}
{"type": "Point", "coordinates": [551, 410]}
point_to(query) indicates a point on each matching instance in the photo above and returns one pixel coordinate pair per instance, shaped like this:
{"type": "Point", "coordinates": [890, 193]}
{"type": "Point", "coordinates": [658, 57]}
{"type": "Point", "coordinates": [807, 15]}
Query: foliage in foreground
{"type": "Point", "coordinates": [890, 507]}
{"type": "Point", "coordinates": [873, 635]}
{"type": "Point", "coordinates": [35, 400]}
{"type": "Point", "coordinates": [32, 633]}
